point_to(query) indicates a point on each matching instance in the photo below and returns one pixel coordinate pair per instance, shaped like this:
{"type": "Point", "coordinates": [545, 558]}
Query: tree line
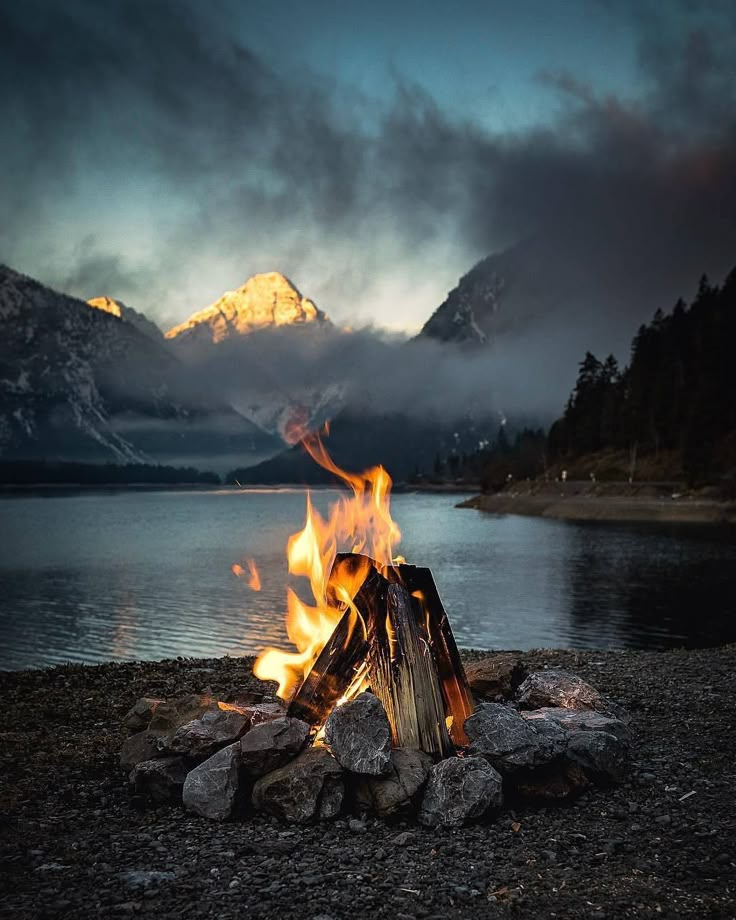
{"type": "Point", "coordinates": [677, 395]}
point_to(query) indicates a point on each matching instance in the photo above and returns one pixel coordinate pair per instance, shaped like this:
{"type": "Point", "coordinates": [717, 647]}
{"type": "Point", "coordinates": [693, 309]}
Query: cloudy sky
{"type": "Point", "coordinates": [161, 151]}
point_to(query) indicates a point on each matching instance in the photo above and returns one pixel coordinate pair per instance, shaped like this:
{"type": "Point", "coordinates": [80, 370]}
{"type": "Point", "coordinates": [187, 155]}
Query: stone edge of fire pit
{"type": "Point", "coordinates": [551, 737]}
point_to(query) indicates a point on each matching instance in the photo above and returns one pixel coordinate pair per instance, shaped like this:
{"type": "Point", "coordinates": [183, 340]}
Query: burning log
{"type": "Point", "coordinates": [394, 637]}
{"type": "Point", "coordinates": [435, 630]}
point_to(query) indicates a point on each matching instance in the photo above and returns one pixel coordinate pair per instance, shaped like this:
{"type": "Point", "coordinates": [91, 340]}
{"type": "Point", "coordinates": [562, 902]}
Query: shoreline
{"type": "Point", "coordinates": [620, 508]}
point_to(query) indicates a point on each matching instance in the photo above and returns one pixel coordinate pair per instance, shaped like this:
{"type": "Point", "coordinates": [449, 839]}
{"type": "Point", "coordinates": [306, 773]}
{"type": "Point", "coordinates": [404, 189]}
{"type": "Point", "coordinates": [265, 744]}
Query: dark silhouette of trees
{"type": "Point", "coordinates": [678, 393]}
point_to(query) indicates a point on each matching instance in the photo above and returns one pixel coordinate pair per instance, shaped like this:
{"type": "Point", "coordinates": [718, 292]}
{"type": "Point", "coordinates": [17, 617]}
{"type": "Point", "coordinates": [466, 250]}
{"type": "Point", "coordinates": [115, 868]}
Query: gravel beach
{"type": "Point", "coordinates": [74, 842]}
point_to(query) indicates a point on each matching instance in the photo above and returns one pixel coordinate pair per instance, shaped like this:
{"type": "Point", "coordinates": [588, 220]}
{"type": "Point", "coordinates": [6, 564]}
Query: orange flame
{"type": "Point", "coordinates": [254, 578]}
{"type": "Point", "coordinates": [361, 523]}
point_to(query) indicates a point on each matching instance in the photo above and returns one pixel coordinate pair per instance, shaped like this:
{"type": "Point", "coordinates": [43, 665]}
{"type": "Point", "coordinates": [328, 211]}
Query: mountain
{"type": "Point", "coordinates": [128, 315]}
{"type": "Point", "coordinates": [84, 384]}
{"type": "Point", "coordinates": [498, 293]}
{"type": "Point", "coordinates": [264, 301]}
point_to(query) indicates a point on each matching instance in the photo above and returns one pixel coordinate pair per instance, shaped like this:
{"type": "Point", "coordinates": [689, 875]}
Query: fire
{"type": "Point", "coordinates": [360, 523]}
{"type": "Point", "coordinates": [254, 578]}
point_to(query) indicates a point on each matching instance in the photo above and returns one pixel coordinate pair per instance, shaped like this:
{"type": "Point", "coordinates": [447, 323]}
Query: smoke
{"type": "Point", "coordinates": [149, 156]}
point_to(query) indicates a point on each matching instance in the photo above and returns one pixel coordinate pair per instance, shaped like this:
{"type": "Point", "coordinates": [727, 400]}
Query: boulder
{"type": "Point", "coordinates": [211, 788]}
{"type": "Point", "coordinates": [573, 720]}
{"type": "Point", "coordinates": [460, 790]}
{"type": "Point", "coordinates": [212, 731]}
{"type": "Point", "coordinates": [308, 788]}
{"type": "Point", "coordinates": [270, 745]}
{"type": "Point", "coordinates": [139, 717]}
{"type": "Point", "coordinates": [172, 714]}
{"type": "Point", "coordinates": [495, 677]}
{"type": "Point", "coordinates": [161, 779]}
{"type": "Point", "coordinates": [508, 742]}
{"type": "Point", "coordinates": [601, 755]}
{"type": "Point", "coordinates": [398, 790]}
{"type": "Point", "coordinates": [359, 735]}
{"type": "Point", "coordinates": [136, 749]}
{"type": "Point", "coordinates": [561, 689]}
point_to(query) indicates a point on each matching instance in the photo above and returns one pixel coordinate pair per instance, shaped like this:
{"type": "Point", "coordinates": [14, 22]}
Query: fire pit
{"type": "Point", "coordinates": [375, 712]}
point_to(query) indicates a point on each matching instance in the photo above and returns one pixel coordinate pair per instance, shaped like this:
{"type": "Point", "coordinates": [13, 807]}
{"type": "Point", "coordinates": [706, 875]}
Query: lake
{"type": "Point", "coordinates": [144, 575]}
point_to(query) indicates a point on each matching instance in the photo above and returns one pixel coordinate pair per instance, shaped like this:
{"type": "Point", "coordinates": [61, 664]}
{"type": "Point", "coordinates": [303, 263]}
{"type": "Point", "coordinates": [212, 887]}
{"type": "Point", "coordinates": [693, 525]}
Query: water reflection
{"type": "Point", "coordinates": [127, 576]}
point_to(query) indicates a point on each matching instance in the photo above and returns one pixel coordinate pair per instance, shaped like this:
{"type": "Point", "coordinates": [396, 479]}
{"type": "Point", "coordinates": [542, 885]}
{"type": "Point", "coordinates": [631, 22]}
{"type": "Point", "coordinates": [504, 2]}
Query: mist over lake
{"type": "Point", "coordinates": [148, 575]}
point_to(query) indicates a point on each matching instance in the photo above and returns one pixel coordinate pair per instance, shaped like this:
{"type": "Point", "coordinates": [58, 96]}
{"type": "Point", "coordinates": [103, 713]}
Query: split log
{"type": "Point", "coordinates": [403, 675]}
{"type": "Point", "coordinates": [435, 629]}
{"type": "Point", "coordinates": [343, 655]}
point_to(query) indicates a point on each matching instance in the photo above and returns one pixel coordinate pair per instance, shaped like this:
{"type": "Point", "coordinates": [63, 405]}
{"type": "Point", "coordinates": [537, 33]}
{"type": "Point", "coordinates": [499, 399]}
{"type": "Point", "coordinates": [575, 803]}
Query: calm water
{"type": "Point", "coordinates": [94, 577]}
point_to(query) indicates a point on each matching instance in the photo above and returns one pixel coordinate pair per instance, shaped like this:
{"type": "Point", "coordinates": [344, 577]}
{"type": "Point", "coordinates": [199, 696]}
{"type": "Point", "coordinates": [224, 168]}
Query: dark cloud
{"type": "Point", "coordinates": [149, 112]}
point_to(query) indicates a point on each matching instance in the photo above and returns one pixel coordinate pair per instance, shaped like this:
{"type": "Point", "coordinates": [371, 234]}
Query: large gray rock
{"type": "Point", "coordinates": [359, 735]}
{"type": "Point", "coordinates": [139, 717]}
{"type": "Point", "coordinates": [211, 788]}
{"type": "Point", "coordinates": [170, 715]}
{"type": "Point", "coordinates": [495, 677]}
{"type": "Point", "coordinates": [460, 790]}
{"type": "Point", "coordinates": [601, 755]}
{"type": "Point", "coordinates": [270, 745]}
{"type": "Point", "coordinates": [136, 749]}
{"type": "Point", "coordinates": [573, 720]}
{"type": "Point", "coordinates": [161, 779]}
{"type": "Point", "coordinates": [558, 688]}
{"type": "Point", "coordinates": [212, 731]}
{"type": "Point", "coordinates": [398, 790]}
{"type": "Point", "coordinates": [510, 743]}
{"type": "Point", "coordinates": [306, 789]}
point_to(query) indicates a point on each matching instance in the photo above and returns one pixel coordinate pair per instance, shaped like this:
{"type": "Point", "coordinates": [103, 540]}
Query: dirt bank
{"type": "Point", "coordinates": [606, 502]}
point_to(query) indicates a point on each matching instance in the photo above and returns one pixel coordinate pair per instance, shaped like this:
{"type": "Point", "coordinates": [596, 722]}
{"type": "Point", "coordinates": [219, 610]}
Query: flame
{"type": "Point", "coordinates": [361, 523]}
{"type": "Point", "coordinates": [254, 578]}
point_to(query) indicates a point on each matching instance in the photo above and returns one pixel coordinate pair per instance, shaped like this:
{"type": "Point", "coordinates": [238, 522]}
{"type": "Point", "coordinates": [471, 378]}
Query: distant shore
{"type": "Point", "coordinates": [605, 502]}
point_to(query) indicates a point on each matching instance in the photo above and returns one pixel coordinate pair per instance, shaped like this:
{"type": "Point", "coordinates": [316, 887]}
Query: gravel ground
{"type": "Point", "coordinates": [75, 843]}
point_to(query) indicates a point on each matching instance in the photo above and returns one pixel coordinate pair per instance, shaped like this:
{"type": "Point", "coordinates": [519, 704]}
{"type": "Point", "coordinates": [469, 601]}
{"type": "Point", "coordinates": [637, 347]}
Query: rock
{"type": "Point", "coordinates": [264, 712]}
{"type": "Point", "coordinates": [211, 788]}
{"type": "Point", "coordinates": [508, 742]}
{"type": "Point", "coordinates": [601, 755]}
{"type": "Point", "coordinates": [359, 735]}
{"type": "Point", "coordinates": [562, 689]}
{"type": "Point", "coordinates": [161, 780]}
{"type": "Point", "coordinates": [572, 720]}
{"type": "Point", "coordinates": [356, 826]}
{"type": "Point", "coordinates": [208, 734]}
{"type": "Point", "coordinates": [139, 717]}
{"type": "Point", "coordinates": [495, 677]}
{"type": "Point", "coordinates": [309, 787]}
{"type": "Point", "coordinates": [272, 744]}
{"type": "Point", "coordinates": [460, 790]}
{"type": "Point", "coordinates": [172, 714]}
{"type": "Point", "coordinates": [136, 749]}
{"type": "Point", "coordinates": [398, 789]}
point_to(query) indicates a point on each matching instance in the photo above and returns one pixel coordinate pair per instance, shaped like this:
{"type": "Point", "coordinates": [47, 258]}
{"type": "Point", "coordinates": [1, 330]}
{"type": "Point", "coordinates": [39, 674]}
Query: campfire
{"type": "Point", "coordinates": [376, 623]}
{"type": "Point", "coordinates": [375, 713]}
